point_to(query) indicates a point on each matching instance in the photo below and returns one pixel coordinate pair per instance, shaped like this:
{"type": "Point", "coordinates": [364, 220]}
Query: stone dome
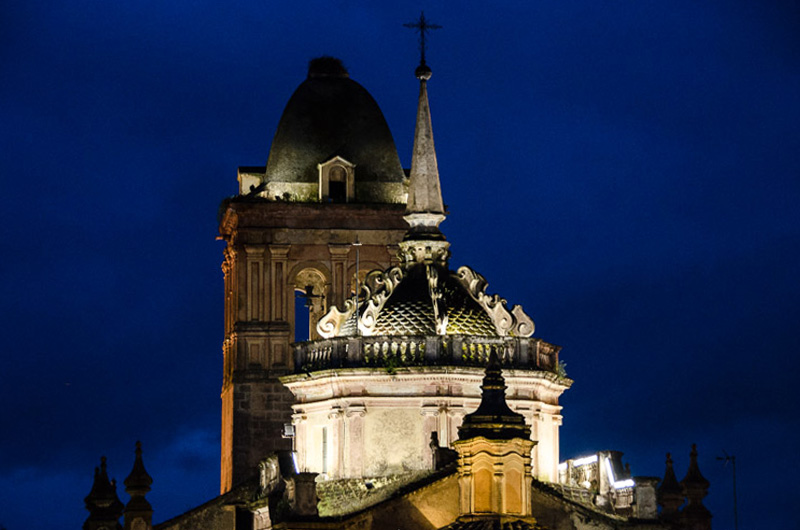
{"type": "Point", "coordinates": [410, 309]}
{"type": "Point", "coordinates": [331, 115]}
{"type": "Point", "coordinates": [426, 300]}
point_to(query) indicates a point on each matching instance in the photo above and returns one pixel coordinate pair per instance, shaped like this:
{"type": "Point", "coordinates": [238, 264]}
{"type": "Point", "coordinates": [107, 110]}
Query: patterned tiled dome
{"type": "Point", "coordinates": [424, 299]}
{"type": "Point", "coordinates": [409, 310]}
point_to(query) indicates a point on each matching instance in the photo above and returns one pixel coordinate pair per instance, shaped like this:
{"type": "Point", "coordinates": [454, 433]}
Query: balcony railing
{"type": "Point", "coordinates": [451, 350]}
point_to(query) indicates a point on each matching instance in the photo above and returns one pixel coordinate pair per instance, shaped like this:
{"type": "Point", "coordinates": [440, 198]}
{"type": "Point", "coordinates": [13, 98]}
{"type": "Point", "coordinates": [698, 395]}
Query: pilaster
{"type": "Point", "coordinates": [339, 280]}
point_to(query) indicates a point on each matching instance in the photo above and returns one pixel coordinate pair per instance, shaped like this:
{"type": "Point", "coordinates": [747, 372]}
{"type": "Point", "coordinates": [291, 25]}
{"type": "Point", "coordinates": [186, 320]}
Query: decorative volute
{"type": "Point", "coordinates": [138, 512]}
{"type": "Point", "coordinates": [103, 504]}
{"type": "Point", "coordinates": [422, 296]}
{"type": "Point", "coordinates": [670, 493]}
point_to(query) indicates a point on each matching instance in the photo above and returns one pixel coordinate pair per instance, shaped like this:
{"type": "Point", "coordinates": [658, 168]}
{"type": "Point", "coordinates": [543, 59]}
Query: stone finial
{"type": "Point", "coordinates": [137, 485]}
{"type": "Point", "coordinates": [103, 504]}
{"type": "Point", "coordinates": [494, 419]}
{"type": "Point", "coordinates": [670, 493]}
{"type": "Point", "coordinates": [695, 486]}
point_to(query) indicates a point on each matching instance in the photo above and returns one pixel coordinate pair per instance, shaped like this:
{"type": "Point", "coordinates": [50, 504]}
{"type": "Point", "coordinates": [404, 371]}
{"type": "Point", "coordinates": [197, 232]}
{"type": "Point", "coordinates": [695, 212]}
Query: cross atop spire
{"type": "Point", "coordinates": [422, 26]}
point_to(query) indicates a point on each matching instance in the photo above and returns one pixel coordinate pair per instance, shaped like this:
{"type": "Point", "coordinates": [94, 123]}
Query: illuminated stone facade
{"type": "Point", "coordinates": [419, 400]}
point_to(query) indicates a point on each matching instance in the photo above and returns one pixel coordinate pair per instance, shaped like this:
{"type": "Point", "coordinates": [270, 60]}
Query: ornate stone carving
{"type": "Point", "coordinates": [435, 292]}
{"type": "Point", "coordinates": [515, 323]}
{"type": "Point", "coordinates": [269, 476]}
{"type": "Point", "coordinates": [331, 324]}
{"type": "Point", "coordinates": [424, 251]}
{"type": "Point", "coordinates": [378, 287]}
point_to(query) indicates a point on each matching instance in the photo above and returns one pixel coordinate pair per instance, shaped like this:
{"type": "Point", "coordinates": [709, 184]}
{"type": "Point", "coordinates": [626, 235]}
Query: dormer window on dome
{"type": "Point", "coordinates": [336, 180]}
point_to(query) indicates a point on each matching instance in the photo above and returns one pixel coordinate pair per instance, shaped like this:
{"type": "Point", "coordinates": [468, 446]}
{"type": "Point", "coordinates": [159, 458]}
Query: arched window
{"type": "Point", "coordinates": [309, 303]}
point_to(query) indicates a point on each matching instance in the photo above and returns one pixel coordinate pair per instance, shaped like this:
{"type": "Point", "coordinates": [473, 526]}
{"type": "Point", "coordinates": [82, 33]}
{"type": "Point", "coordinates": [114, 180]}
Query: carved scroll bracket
{"type": "Point", "coordinates": [508, 323]}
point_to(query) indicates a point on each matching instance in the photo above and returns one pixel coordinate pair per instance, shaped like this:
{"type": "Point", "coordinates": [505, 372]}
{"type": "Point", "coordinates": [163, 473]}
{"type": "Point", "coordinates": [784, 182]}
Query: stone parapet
{"type": "Point", "coordinates": [395, 351]}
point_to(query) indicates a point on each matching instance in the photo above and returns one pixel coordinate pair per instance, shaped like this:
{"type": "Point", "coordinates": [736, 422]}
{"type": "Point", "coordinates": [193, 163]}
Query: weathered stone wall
{"type": "Point", "coordinates": [273, 249]}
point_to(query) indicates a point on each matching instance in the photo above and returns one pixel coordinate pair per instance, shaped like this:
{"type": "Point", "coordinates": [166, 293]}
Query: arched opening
{"type": "Point", "coordinates": [336, 180]}
{"type": "Point", "coordinates": [309, 304]}
{"type": "Point", "coordinates": [337, 184]}
{"type": "Point", "coordinates": [301, 316]}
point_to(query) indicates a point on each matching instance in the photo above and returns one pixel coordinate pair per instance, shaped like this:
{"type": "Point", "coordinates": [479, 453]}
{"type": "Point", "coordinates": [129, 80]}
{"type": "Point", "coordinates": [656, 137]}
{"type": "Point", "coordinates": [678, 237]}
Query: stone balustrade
{"type": "Point", "coordinates": [395, 351]}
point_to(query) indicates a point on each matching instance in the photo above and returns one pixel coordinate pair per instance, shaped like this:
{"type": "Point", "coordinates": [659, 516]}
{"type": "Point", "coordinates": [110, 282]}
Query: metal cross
{"type": "Point", "coordinates": [422, 27]}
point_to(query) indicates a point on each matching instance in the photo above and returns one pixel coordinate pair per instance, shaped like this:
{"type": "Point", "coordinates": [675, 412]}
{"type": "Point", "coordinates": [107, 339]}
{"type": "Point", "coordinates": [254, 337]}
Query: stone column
{"type": "Point", "coordinates": [256, 293]}
{"type": "Point", "coordinates": [278, 260]}
{"type": "Point", "coordinates": [300, 433]}
{"type": "Point", "coordinates": [430, 423]}
{"type": "Point", "coordinates": [354, 449]}
{"type": "Point", "coordinates": [339, 280]}
{"type": "Point", "coordinates": [336, 443]}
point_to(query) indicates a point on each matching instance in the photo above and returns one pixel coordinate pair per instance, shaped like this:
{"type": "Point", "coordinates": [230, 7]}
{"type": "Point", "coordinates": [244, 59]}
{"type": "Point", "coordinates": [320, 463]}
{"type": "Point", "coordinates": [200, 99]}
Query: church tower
{"type": "Point", "coordinates": [330, 199]}
{"type": "Point", "coordinates": [402, 364]}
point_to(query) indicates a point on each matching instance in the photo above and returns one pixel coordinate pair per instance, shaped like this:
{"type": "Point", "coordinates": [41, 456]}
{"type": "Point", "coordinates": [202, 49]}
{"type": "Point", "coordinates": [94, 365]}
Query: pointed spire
{"type": "Point", "coordinates": [424, 243]}
{"type": "Point", "coordinates": [138, 481]}
{"type": "Point", "coordinates": [424, 193]}
{"type": "Point", "coordinates": [494, 419]}
{"type": "Point", "coordinates": [102, 502]}
{"type": "Point", "coordinates": [695, 487]}
{"type": "Point", "coordinates": [670, 493]}
{"type": "Point", "coordinates": [137, 485]}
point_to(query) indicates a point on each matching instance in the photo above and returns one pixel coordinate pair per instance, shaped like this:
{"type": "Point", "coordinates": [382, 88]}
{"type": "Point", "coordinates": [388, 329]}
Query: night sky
{"type": "Point", "coordinates": [629, 172]}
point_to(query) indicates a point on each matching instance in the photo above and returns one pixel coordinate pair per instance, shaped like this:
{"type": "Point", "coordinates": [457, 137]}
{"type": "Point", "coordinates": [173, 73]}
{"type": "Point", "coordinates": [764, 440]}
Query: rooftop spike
{"type": "Point", "coordinates": [670, 493]}
{"type": "Point", "coordinates": [423, 242]}
{"type": "Point", "coordinates": [102, 502]}
{"type": "Point", "coordinates": [695, 487]}
{"type": "Point", "coordinates": [424, 207]}
{"type": "Point", "coordinates": [137, 485]}
{"type": "Point", "coordinates": [493, 418]}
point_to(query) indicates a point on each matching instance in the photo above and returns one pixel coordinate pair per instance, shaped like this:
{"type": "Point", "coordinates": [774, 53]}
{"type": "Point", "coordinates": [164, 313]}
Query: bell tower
{"type": "Point", "coordinates": [330, 199]}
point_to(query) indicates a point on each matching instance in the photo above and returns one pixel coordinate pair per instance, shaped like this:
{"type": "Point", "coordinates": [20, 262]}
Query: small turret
{"type": "Point", "coordinates": [670, 493]}
{"type": "Point", "coordinates": [695, 516]}
{"type": "Point", "coordinates": [103, 504]}
{"type": "Point", "coordinates": [138, 512]}
{"type": "Point", "coordinates": [494, 456]}
{"type": "Point", "coordinates": [494, 419]}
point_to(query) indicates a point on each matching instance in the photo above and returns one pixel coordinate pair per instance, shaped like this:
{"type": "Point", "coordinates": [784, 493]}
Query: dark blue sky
{"type": "Point", "coordinates": [629, 172]}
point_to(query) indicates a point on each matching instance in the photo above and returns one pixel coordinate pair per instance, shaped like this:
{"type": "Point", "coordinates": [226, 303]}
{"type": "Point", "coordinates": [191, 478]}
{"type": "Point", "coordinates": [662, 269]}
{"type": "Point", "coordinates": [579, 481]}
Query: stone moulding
{"type": "Point", "coordinates": [514, 323]}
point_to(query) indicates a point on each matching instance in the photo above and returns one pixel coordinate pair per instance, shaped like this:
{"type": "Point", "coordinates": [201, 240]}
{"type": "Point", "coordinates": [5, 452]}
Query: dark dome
{"type": "Point", "coordinates": [409, 310]}
{"type": "Point", "coordinates": [331, 115]}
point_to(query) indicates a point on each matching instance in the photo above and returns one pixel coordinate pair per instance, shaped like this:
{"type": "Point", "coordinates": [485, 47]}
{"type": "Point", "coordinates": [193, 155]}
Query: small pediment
{"type": "Point", "coordinates": [336, 180]}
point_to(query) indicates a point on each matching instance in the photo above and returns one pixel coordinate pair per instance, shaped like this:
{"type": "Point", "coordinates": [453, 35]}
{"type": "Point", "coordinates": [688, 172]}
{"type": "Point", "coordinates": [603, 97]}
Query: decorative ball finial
{"type": "Point", "coordinates": [423, 72]}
